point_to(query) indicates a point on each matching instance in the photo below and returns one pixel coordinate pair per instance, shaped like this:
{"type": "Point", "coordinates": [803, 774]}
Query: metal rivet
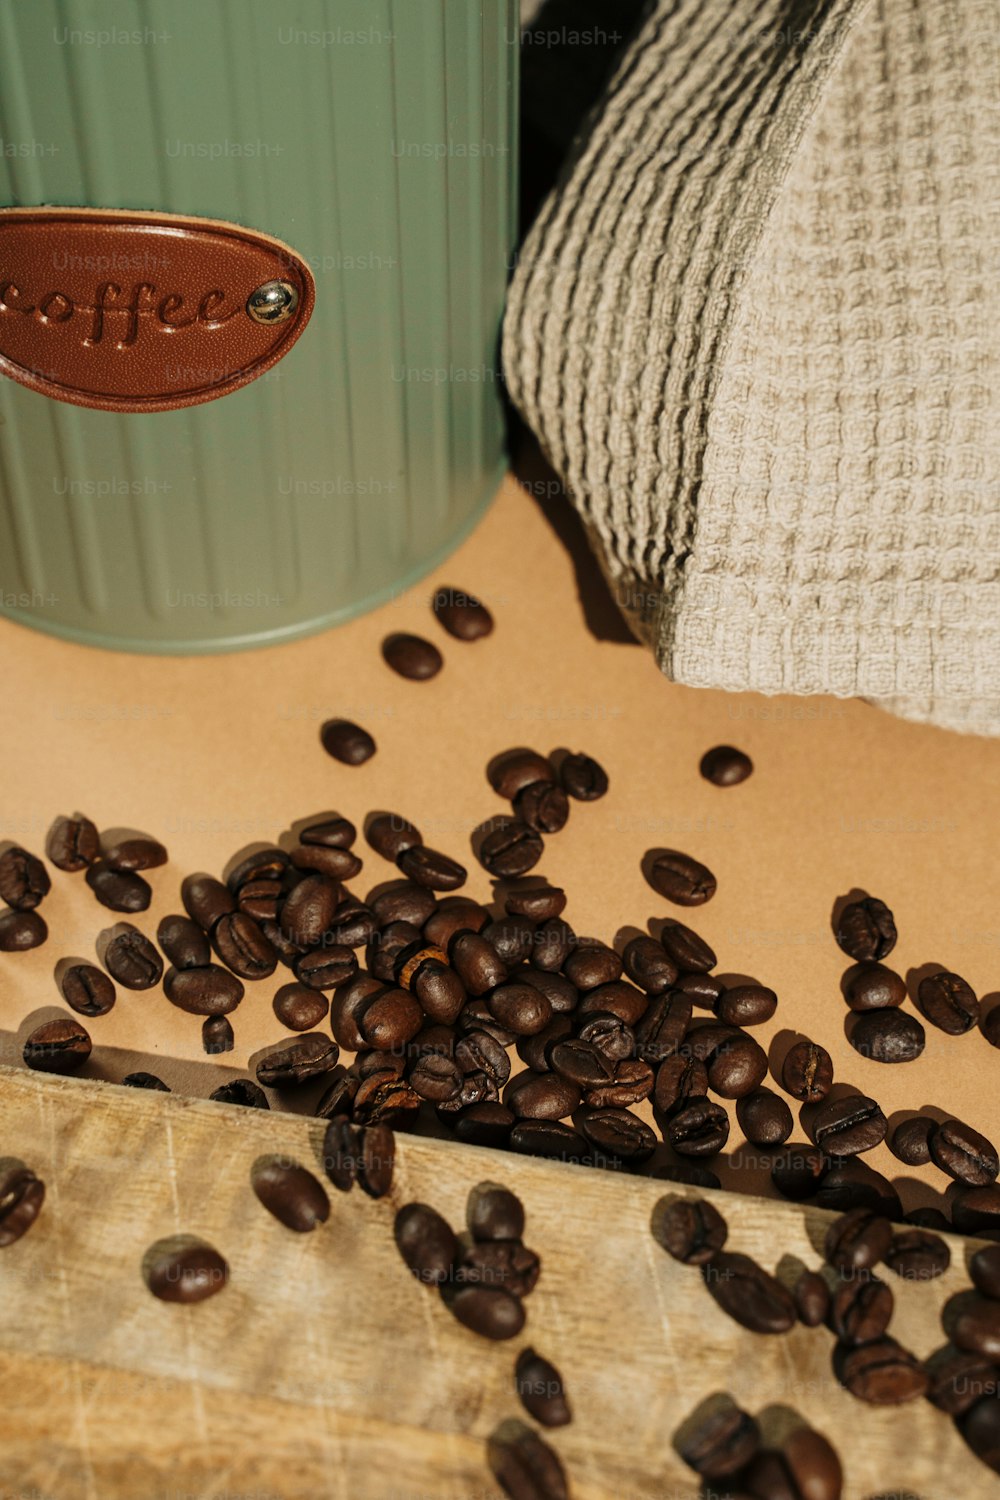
{"type": "Point", "coordinates": [274, 302]}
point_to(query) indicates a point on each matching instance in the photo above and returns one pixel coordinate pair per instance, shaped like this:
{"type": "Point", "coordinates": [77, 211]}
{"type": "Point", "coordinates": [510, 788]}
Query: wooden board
{"type": "Point", "coordinates": [324, 1370]}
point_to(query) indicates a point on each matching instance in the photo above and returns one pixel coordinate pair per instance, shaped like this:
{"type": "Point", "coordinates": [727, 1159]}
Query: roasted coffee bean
{"type": "Point", "coordinates": [349, 999]}
{"type": "Point", "coordinates": [549, 1138]}
{"type": "Point", "coordinates": [291, 1193]}
{"type": "Point", "coordinates": [661, 1031]}
{"type": "Point", "coordinates": [520, 1008]}
{"type": "Point", "coordinates": [703, 1040]}
{"type": "Point", "coordinates": [341, 1152]}
{"type": "Point", "coordinates": [454, 914]}
{"type": "Point", "coordinates": [436, 1079]}
{"type": "Point", "coordinates": [402, 901]}
{"type": "Point", "coordinates": [872, 986]}
{"type": "Point", "coordinates": [432, 870]}
{"type": "Point", "coordinates": [514, 769]}
{"type": "Point", "coordinates": [990, 1026]}
{"type": "Point", "coordinates": [376, 1159]}
{"type": "Point", "coordinates": [861, 1310]}
{"type": "Point", "coordinates": [746, 1005]}
{"type": "Point", "coordinates": [88, 990]}
{"type": "Point", "coordinates": [614, 999]}
{"type": "Point", "coordinates": [336, 832]}
{"type": "Point", "coordinates": [242, 946]}
{"type": "Point", "coordinates": [690, 1230]}
{"type": "Point", "coordinates": [353, 925]}
{"type": "Point", "coordinates": [984, 1268]}
{"type": "Point", "coordinates": [542, 806]}
{"type": "Point", "coordinates": [338, 1096]}
{"type": "Point", "coordinates": [206, 900]}
{"type": "Point", "coordinates": [182, 1269]}
{"type": "Point", "coordinates": [475, 1088]}
{"type": "Point", "coordinates": [964, 1154]}
{"type": "Point", "coordinates": [866, 930]}
{"type": "Point", "coordinates": [118, 890]}
{"type": "Point", "coordinates": [958, 1379]}
{"type": "Point", "coordinates": [145, 1081]}
{"type": "Point", "coordinates": [134, 854]}
{"type": "Point", "coordinates": [390, 1020]}
{"type": "Point", "coordinates": [241, 1091]}
{"type": "Point", "coordinates": [73, 843]}
{"type": "Point", "coordinates": [426, 1243]}
{"type": "Point", "coordinates": [541, 1096]}
{"type": "Point", "coordinates": [948, 1002]}
{"type": "Point", "coordinates": [918, 1255]}
{"type": "Point", "coordinates": [737, 1067]}
{"type": "Point", "coordinates": [477, 1017]}
{"type": "Point", "coordinates": [554, 941]}
{"type": "Point", "coordinates": [807, 1072]}
{"type": "Point", "coordinates": [487, 1310]}
{"type": "Point", "coordinates": [384, 1098]}
{"type": "Point", "coordinates": [717, 1440]}
{"type": "Point", "coordinates": [750, 1296]}
{"type": "Point", "coordinates": [853, 1184]}
{"type": "Point", "coordinates": [648, 965]}
{"type": "Point", "coordinates": [592, 964]}
{"type": "Point", "coordinates": [524, 1465]}
{"type": "Point", "coordinates": [432, 1040]}
{"type": "Point", "coordinates": [928, 1218]}
{"type": "Point", "coordinates": [811, 1296]}
{"type": "Point", "coordinates": [764, 1118]}
{"type": "Point", "coordinates": [21, 930]}
{"type": "Point", "coordinates": [583, 778]}
{"type": "Point", "coordinates": [881, 1373]}
{"type": "Point", "coordinates": [977, 1210]}
{"type": "Point", "coordinates": [507, 1264]}
{"type": "Point", "coordinates": [581, 1063]}
{"type": "Point", "coordinates": [21, 1197]}
{"type": "Point", "coordinates": [267, 863]}
{"type": "Point", "coordinates": [618, 1134]}
{"type": "Point", "coordinates": [679, 878]}
{"type": "Point", "coordinates": [798, 1171]}
{"type": "Point", "coordinates": [347, 742]}
{"type": "Point", "coordinates": [858, 1240]}
{"type": "Point", "coordinates": [131, 959]}
{"type": "Point", "coordinates": [609, 1034]}
{"type": "Point", "coordinates": [375, 1060]}
{"type": "Point", "coordinates": [318, 859]}
{"type": "Point", "coordinates": [698, 1127]}
{"type": "Point", "coordinates": [293, 1063]}
{"type": "Point", "coordinates": [24, 880]}
{"type": "Point", "coordinates": [390, 835]}
{"type": "Point", "coordinates": [725, 766]}
{"type": "Point", "coordinates": [217, 1035]}
{"type": "Point", "coordinates": [485, 1124]}
{"type": "Point", "coordinates": [184, 942]}
{"type": "Point", "coordinates": [308, 910]}
{"type": "Point", "coordinates": [973, 1322]}
{"type": "Point", "coordinates": [511, 849]}
{"type": "Point", "coordinates": [462, 615]}
{"type": "Point", "coordinates": [911, 1141]}
{"type": "Point", "coordinates": [60, 1046]}
{"type": "Point", "coordinates": [476, 962]}
{"type": "Point", "coordinates": [888, 1036]}
{"type": "Point", "coordinates": [440, 991]}
{"type": "Point", "coordinates": [848, 1126]}
{"type": "Point", "coordinates": [540, 1387]}
{"type": "Point", "coordinates": [212, 991]}
{"type": "Point", "coordinates": [689, 952]}
{"type": "Point", "coordinates": [478, 1052]}
{"type": "Point", "coordinates": [325, 968]}
{"type": "Point", "coordinates": [494, 1213]}
{"type": "Point", "coordinates": [678, 1080]}
{"type": "Point", "coordinates": [703, 990]}
{"type": "Point", "coordinates": [805, 1468]}
{"type": "Point", "coordinates": [540, 903]}
{"type": "Point", "coordinates": [512, 937]}
{"type": "Point", "coordinates": [411, 656]}
{"type": "Point", "coordinates": [981, 1429]}
{"type": "Point", "coordinates": [300, 1008]}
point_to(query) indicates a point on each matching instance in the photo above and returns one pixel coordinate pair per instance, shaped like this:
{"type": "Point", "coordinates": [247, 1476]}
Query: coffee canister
{"type": "Point", "coordinates": [252, 266]}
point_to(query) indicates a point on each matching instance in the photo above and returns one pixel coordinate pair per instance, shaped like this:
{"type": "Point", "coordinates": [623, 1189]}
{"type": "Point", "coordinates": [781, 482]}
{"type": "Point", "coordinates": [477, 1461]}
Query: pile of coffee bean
{"type": "Point", "coordinates": [724, 1446]}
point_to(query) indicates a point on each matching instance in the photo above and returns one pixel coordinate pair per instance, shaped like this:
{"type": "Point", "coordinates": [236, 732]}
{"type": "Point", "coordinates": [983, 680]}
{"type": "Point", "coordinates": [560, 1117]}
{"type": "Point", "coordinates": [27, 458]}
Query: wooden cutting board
{"type": "Point", "coordinates": [324, 1370]}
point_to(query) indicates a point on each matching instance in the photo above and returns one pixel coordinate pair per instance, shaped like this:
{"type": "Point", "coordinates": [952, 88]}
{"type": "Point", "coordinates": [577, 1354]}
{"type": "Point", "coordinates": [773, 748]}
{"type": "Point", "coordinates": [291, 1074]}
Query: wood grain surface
{"type": "Point", "coordinates": [324, 1370]}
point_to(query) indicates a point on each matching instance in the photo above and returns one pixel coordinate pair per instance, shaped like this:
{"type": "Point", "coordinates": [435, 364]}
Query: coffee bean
{"type": "Point", "coordinates": [494, 1213]}
{"type": "Point", "coordinates": [291, 1193]}
{"type": "Point", "coordinates": [211, 991]}
{"type": "Point", "coordinates": [724, 766]}
{"type": "Point", "coordinates": [866, 930]}
{"type": "Point", "coordinates": [73, 843]}
{"type": "Point", "coordinates": [678, 1080]}
{"type": "Point", "coordinates": [336, 832]}
{"type": "Point", "coordinates": [512, 937]}
{"type": "Point", "coordinates": [432, 870]}
{"type": "Point", "coordinates": [485, 1124]}
{"type": "Point", "coordinates": [475, 1088]}
{"type": "Point", "coordinates": [851, 1184]}
{"type": "Point", "coordinates": [632, 1082]}
{"type": "Point", "coordinates": [928, 1218]}
{"type": "Point", "coordinates": [798, 1171]}
{"type": "Point", "coordinates": [680, 878]}
{"type": "Point", "coordinates": [811, 1296]}
{"type": "Point", "coordinates": [990, 1026]}
{"type": "Point", "coordinates": [542, 806]}
{"type": "Point", "coordinates": [206, 900]}
{"type": "Point", "coordinates": [648, 965]}
{"type": "Point", "coordinates": [353, 925]}
{"type": "Point", "coordinates": [857, 1241]}
{"type": "Point", "coordinates": [688, 1175]}
{"type": "Point", "coordinates": [746, 1005]}
{"type": "Point", "coordinates": [217, 1035]}
{"type": "Point", "coordinates": [592, 964]}
{"type": "Point", "coordinates": [520, 1008]}
{"type": "Point", "coordinates": [390, 835]}
{"type": "Point", "coordinates": [402, 901]}
{"type": "Point", "coordinates": [454, 914]}
{"type": "Point", "coordinates": [477, 1017]}
{"type": "Point", "coordinates": [964, 1154]}
{"type": "Point", "coordinates": [861, 1310]}
{"type": "Point", "coordinates": [881, 1373]}
{"type": "Point", "coordinates": [554, 941]}
{"type": "Point", "coordinates": [948, 1002]}
{"type": "Point", "coordinates": [511, 849]}
{"type": "Point", "coordinates": [514, 769]}
{"type": "Point", "coordinates": [540, 1387]}
{"type": "Point", "coordinates": [888, 1036]}
{"type": "Point", "coordinates": [698, 1127]}
{"type": "Point", "coordinates": [618, 1134]}
{"type": "Point", "coordinates": [918, 1255]}
{"type": "Point", "coordinates": [60, 1046]}
{"type": "Point", "coordinates": [241, 1091]}
{"type": "Point", "coordinates": [390, 1020]}
{"type": "Point", "coordinates": [24, 880]}
{"type": "Point", "coordinates": [300, 1008]}
{"type": "Point", "coordinates": [347, 742]}
{"type": "Point", "coordinates": [21, 930]}
{"type": "Point", "coordinates": [872, 986]}
{"type": "Point", "coordinates": [549, 1138]}
{"type": "Point", "coordinates": [338, 1096]}
{"type": "Point", "coordinates": [436, 1079]}
{"type": "Point", "coordinates": [426, 1243]}
{"type": "Point", "coordinates": [325, 968]}
{"type": "Point", "coordinates": [848, 1126]}
{"type": "Point", "coordinates": [807, 1072]}
{"type": "Point", "coordinates": [690, 953]}
{"type": "Point", "coordinates": [984, 1268]}
{"type": "Point", "coordinates": [981, 1429]}
{"type": "Point", "coordinates": [609, 1034]}
{"type": "Point", "coordinates": [614, 999]}
{"type": "Point", "coordinates": [411, 656]}
{"type": "Point", "coordinates": [506, 1264]}
{"type": "Point", "coordinates": [319, 859]}
{"type": "Point", "coordinates": [717, 1440]}
{"type": "Point", "coordinates": [488, 1311]}
{"type": "Point", "coordinates": [976, 1210]}
{"type": "Point", "coordinates": [541, 1096]}
{"type": "Point", "coordinates": [131, 959]}
{"type": "Point", "coordinates": [583, 778]}
{"type": "Point", "coordinates": [21, 1197]}
{"type": "Point", "coordinates": [140, 853]}
{"type": "Point", "coordinates": [911, 1141]}
{"type": "Point", "coordinates": [690, 1230]}
{"type": "Point", "coordinates": [462, 615]}
{"type": "Point", "coordinates": [384, 1098]}
{"type": "Point", "coordinates": [764, 1118]}
{"type": "Point", "coordinates": [524, 1465]}
{"type": "Point", "coordinates": [958, 1379]}
{"type": "Point", "coordinates": [88, 990]}
{"type": "Point", "coordinates": [703, 990]}
{"type": "Point", "coordinates": [118, 890]}
{"type": "Point", "coordinates": [737, 1067]}
{"type": "Point", "coordinates": [973, 1323]}
{"type": "Point", "coordinates": [242, 947]}
{"type": "Point", "coordinates": [180, 1269]}
{"type": "Point", "coordinates": [184, 942]}
{"type": "Point", "coordinates": [663, 1026]}
{"type": "Point", "coordinates": [750, 1296]}
{"type": "Point", "coordinates": [478, 1052]}
{"type": "Point", "coordinates": [476, 962]}
{"type": "Point", "coordinates": [341, 1153]}
{"type": "Point", "coordinates": [308, 910]}
{"type": "Point", "coordinates": [702, 1041]}
{"type": "Point", "coordinates": [297, 1062]}
{"type": "Point", "coordinates": [145, 1081]}
{"type": "Point", "coordinates": [805, 1468]}
{"type": "Point", "coordinates": [266, 863]}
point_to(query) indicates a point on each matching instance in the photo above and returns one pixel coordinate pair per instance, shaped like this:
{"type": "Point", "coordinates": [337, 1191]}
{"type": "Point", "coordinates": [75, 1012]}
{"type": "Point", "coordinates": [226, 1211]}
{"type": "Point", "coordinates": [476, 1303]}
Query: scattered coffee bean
{"type": "Point", "coordinates": [73, 843]}
{"type": "Point", "coordinates": [618, 1134]}
{"type": "Point", "coordinates": [391, 835]}
{"type": "Point", "coordinates": [462, 615]}
{"type": "Point", "coordinates": [242, 946]}
{"type": "Point", "coordinates": [205, 901]}
{"type": "Point", "coordinates": [991, 1027]}
{"type": "Point", "coordinates": [485, 1124]}
{"type": "Point", "coordinates": [679, 878]}
{"type": "Point", "coordinates": [24, 880]}
{"type": "Point", "coordinates": [973, 1323]}
{"type": "Point", "coordinates": [977, 1210]}
{"type": "Point", "coordinates": [524, 1465]}
{"type": "Point", "coordinates": [737, 1066]}
{"type": "Point", "coordinates": [411, 656]}
{"type": "Point", "coordinates": [294, 1063]}
{"type": "Point", "coordinates": [981, 1429]}
{"type": "Point", "coordinates": [426, 1243]}
{"type": "Point", "coordinates": [134, 854]}
{"type": "Point", "coordinates": [858, 1240]}
{"type": "Point", "coordinates": [542, 806]}
{"type": "Point", "coordinates": [376, 1159]}
{"type": "Point", "coordinates": [958, 1379]}
{"type": "Point", "coordinates": [291, 1193]}
{"type": "Point", "coordinates": [21, 930]}
{"type": "Point", "coordinates": [118, 890]}
{"type": "Point", "coordinates": [183, 1270]}
{"type": "Point", "coordinates": [764, 1118]}
{"type": "Point", "coordinates": [212, 991]}
{"type": "Point", "coordinates": [88, 990]}
{"type": "Point", "coordinates": [698, 1127]}
{"type": "Point", "coordinates": [948, 1002]}
{"type": "Point", "coordinates": [648, 965]}
{"type": "Point", "coordinates": [746, 1005]}
{"type": "Point", "coordinates": [21, 1197]}
{"type": "Point", "coordinates": [217, 1035]}
{"type": "Point", "coordinates": [541, 903]}
{"type": "Point", "coordinates": [347, 742]}
{"type": "Point", "coordinates": [910, 1141]}
{"type": "Point", "coordinates": [488, 1311]}
{"type": "Point", "coordinates": [984, 1268]}
{"type": "Point", "coordinates": [866, 930]}
{"type": "Point", "coordinates": [583, 778]}
{"type": "Point", "coordinates": [145, 1081]}
{"type": "Point", "coordinates": [507, 1264]}
{"type": "Point", "coordinates": [861, 1310]}
{"type": "Point", "coordinates": [812, 1299]}
{"type": "Point", "coordinates": [690, 1230]}
{"type": "Point", "coordinates": [300, 1008]}
{"type": "Point", "coordinates": [718, 1439]}
{"type": "Point", "coordinates": [268, 863]}
{"type": "Point", "coordinates": [964, 1154]}
{"type": "Point", "coordinates": [750, 1296]}
{"type": "Point", "coordinates": [849, 1126]}
{"type": "Point", "coordinates": [881, 1373]}
{"type": "Point", "coordinates": [918, 1255]}
{"type": "Point", "coordinates": [514, 769]}
{"type": "Point", "coordinates": [806, 1467]}
{"type": "Point", "coordinates": [520, 1008]}
{"type": "Point", "coordinates": [184, 942]}
{"type": "Point", "coordinates": [798, 1171]}
{"type": "Point", "coordinates": [432, 870]}
{"type": "Point", "coordinates": [131, 959]}
{"type": "Point", "coordinates": [510, 849]}
{"type": "Point", "coordinates": [851, 1184]}
{"type": "Point", "coordinates": [325, 968]}
{"type": "Point", "coordinates": [60, 1046]}
{"type": "Point", "coordinates": [548, 1138]}
{"type": "Point", "coordinates": [241, 1091]}
{"type": "Point", "coordinates": [494, 1213]}
{"type": "Point", "coordinates": [872, 986]}
{"type": "Point", "coordinates": [540, 1387]}
{"type": "Point", "coordinates": [692, 955]}
{"type": "Point", "coordinates": [807, 1072]}
{"type": "Point", "coordinates": [335, 832]}
{"type": "Point", "coordinates": [724, 766]}
{"type": "Point", "coordinates": [888, 1036]}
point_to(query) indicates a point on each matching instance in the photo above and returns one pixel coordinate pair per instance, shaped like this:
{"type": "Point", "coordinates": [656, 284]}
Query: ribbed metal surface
{"type": "Point", "coordinates": [378, 138]}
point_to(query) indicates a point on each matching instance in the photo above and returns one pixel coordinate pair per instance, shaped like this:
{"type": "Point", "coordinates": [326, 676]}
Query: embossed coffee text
{"type": "Point", "coordinates": [115, 314]}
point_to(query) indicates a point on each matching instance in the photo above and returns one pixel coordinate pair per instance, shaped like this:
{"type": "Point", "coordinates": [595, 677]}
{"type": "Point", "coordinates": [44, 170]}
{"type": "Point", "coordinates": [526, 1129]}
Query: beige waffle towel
{"type": "Point", "coordinates": [757, 330]}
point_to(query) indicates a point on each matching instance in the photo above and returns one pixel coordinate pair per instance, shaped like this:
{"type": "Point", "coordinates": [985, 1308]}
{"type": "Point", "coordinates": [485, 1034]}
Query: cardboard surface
{"type": "Point", "coordinates": [212, 754]}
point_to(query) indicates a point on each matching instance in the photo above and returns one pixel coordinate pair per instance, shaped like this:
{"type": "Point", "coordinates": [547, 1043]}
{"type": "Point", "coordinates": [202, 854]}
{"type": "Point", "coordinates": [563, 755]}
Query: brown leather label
{"type": "Point", "coordinates": [131, 312]}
